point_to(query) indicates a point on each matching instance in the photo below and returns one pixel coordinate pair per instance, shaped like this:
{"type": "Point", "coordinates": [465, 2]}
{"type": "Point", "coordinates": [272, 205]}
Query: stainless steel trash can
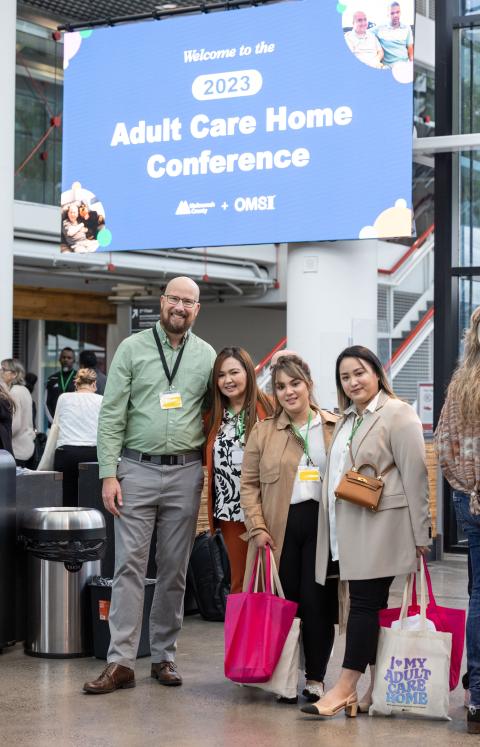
{"type": "Point", "coordinates": [64, 547]}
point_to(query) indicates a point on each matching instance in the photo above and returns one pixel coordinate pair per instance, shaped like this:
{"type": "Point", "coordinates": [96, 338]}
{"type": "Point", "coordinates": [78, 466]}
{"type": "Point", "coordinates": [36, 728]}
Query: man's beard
{"type": "Point", "coordinates": [177, 327]}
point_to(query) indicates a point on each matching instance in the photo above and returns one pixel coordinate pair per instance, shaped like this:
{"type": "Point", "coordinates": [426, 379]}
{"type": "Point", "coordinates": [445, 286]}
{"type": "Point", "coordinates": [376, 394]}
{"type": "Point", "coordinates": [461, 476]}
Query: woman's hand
{"type": "Point", "coordinates": [263, 538]}
{"type": "Point", "coordinates": [422, 550]}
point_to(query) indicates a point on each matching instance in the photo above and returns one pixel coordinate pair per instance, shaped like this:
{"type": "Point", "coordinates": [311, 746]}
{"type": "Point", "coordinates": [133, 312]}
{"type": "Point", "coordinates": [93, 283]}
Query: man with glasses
{"type": "Point", "coordinates": [150, 439]}
{"type": "Point", "coordinates": [364, 45]}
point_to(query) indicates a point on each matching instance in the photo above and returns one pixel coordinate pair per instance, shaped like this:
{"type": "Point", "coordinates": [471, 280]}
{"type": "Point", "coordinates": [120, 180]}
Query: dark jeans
{"type": "Point", "coordinates": [67, 459]}
{"type": "Point", "coordinates": [471, 527]}
{"type": "Point", "coordinates": [318, 604]}
{"type": "Point", "coordinates": [367, 598]}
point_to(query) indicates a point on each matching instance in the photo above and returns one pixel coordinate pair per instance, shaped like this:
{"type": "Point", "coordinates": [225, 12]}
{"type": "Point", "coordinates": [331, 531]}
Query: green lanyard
{"type": "Point", "coordinates": [239, 423]}
{"type": "Point", "coordinates": [302, 439]}
{"type": "Point", "coordinates": [356, 425]}
{"type": "Point", "coordinates": [64, 384]}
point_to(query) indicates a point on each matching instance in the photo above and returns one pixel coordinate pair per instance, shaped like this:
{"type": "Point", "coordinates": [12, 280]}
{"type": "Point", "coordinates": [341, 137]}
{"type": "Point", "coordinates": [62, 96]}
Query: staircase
{"type": "Point", "coordinates": [405, 318]}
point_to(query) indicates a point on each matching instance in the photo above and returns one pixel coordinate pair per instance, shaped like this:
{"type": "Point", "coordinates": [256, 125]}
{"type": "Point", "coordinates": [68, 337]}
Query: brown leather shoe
{"type": "Point", "coordinates": [113, 677]}
{"type": "Point", "coordinates": [166, 673]}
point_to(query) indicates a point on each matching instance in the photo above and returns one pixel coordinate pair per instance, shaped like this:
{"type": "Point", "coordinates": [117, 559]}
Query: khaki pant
{"type": "Point", "coordinates": [165, 499]}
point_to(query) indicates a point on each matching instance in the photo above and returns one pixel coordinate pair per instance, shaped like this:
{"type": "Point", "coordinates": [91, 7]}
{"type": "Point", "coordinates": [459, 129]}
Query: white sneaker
{"type": "Point", "coordinates": [313, 691]}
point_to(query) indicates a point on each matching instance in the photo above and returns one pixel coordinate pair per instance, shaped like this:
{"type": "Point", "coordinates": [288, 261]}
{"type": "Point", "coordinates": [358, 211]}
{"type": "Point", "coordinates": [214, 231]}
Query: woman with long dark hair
{"type": "Point", "coordinates": [280, 491]}
{"type": "Point", "coordinates": [380, 431]}
{"type": "Point", "coordinates": [237, 405]}
{"type": "Point", "coordinates": [7, 409]}
{"type": "Point", "coordinates": [458, 445]}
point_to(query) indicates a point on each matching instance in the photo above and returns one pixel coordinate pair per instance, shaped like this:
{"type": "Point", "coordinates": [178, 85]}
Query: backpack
{"type": "Point", "coordinates": [209, 575]}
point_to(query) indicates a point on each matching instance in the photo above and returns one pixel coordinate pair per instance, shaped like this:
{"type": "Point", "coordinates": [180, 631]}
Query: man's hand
{"type": "Point", "coordinates": [112, 495]}
{"type": "Point", "coordinates": [263, 538]}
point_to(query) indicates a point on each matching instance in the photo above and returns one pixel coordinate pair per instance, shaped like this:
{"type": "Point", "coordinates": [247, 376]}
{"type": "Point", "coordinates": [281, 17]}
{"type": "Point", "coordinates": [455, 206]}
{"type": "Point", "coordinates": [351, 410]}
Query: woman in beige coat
{"type": "Point", "coordinates": [280, 501]}
{"type": "Point", "coordinates": [372, 547]}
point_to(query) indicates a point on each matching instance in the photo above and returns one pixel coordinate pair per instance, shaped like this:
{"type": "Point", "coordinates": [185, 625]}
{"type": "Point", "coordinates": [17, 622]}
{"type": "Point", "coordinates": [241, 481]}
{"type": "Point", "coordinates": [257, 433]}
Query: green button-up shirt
{"type": "Point", "coordinates": [131, 415]}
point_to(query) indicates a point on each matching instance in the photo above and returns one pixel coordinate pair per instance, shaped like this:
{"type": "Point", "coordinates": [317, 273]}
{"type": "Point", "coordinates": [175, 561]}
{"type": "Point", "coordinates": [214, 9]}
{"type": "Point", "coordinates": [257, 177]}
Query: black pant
{"type": "Point", "coordinates": [367, 598]}
{"type": "Point", "coordinates": [318, 605]}
{"type": "Point", "coordinates": [67, 459]}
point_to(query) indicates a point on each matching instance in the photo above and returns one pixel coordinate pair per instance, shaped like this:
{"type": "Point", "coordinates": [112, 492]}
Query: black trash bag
{"type": "Point", "coordinates": [72, 552]}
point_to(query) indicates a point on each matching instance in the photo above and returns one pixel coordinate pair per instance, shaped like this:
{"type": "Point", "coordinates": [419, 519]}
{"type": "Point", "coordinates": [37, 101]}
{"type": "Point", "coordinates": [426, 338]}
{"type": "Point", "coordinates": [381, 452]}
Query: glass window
{"type": "Point", "coordinates": [469, 88]}
{"type": "Point", "coordinates": [469, 208]}
{"type": "Point", "coordinates": [39, 81]}
{"type": "Point", "coordinates": [424, 101]}
{"type": "Point", "coordinates": [470, 6]}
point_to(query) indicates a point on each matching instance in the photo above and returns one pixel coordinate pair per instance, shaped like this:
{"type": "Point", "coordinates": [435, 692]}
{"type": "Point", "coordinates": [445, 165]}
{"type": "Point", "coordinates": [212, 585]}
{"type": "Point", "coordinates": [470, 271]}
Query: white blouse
{"type": "Point", "coordinates": [336, 468]}
{"type": "Point", "coordinates": [77, 417]}
{"type": "Point", "coordinates": [307, 491]}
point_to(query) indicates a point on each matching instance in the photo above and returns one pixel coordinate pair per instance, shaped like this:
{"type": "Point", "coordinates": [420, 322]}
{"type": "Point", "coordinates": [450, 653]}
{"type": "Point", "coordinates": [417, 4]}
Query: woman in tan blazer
{"type": "Point", "coordinates": [371, 547]}
{"type": "Point", "coordinates": [281, 505]}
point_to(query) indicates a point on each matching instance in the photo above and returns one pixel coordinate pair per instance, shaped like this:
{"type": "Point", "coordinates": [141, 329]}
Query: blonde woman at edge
{"type": "Point", "coordinates": [372, 548]}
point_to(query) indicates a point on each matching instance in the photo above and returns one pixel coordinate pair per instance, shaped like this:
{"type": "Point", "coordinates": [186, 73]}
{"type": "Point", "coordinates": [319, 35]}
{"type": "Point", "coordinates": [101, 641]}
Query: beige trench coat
{"type": "Point", "coordinates": [269, 467]}
{"type": "Point", "coordinates": [376, 545]}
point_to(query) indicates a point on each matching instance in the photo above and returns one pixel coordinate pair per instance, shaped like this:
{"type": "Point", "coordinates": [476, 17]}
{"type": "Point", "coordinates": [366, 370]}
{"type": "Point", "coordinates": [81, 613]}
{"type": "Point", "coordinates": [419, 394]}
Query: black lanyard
{"type": "Point", "coordinates": [170, 376]}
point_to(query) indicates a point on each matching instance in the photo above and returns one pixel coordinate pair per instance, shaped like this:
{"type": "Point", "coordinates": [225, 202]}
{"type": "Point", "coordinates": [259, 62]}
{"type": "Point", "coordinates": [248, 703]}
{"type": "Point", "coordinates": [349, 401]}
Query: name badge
{"type": "Point", "coordinates": [171, 401]}
{"type": "Point", "coordinates": [309, 474]}
{"type": "Point", "coordinates": [237, 456]}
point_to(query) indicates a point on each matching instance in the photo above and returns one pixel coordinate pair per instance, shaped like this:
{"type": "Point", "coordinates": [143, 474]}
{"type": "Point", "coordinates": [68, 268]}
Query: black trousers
{"type": "Point", "coordinates": [318, 605]}
{"type": "Point", "coordinates": [67, 459]}
{"type": "Point", "coordinates": [367, 598]}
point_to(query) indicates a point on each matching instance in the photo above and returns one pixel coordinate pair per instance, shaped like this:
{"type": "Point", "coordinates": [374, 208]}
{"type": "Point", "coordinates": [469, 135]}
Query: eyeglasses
{"type": "Point", "coordinates": [6, 370]}
{"type": "Point", "coordinates": [188, 303]}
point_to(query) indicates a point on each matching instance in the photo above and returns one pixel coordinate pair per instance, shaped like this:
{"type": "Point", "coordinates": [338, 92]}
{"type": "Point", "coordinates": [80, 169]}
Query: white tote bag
{"type": "Point", "coordinates": [412, 672]}
{"type": "Point", "coordinates": [284, 681]}
{"type": "Point", "coordinates": [48, 456]}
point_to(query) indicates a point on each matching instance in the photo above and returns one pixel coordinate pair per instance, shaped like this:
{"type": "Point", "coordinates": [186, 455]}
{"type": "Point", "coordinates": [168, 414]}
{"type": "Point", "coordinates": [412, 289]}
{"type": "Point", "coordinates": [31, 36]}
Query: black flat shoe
{"type": "Point", "coordinates": [287, 701]}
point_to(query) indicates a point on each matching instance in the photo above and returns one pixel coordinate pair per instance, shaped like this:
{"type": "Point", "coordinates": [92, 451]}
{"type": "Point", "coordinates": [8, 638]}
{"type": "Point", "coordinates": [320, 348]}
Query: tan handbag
{"type": "Point", "coordinates": [362, 490]}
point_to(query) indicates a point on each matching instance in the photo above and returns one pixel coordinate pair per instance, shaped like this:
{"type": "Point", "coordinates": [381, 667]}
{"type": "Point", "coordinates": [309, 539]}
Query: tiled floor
{"type": "Point", "coordinates": [41, 702]}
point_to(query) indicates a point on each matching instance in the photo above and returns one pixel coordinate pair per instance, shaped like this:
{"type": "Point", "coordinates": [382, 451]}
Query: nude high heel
{"type": "Point", "coordinates": [350, 705]}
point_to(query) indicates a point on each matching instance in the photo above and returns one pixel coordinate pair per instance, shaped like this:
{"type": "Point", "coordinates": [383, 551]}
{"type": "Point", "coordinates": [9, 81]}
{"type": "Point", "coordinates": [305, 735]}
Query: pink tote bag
{"type": "Point", "coordinates": [445, 619]}
{"type": "Point", "coordinates": [257, 624]}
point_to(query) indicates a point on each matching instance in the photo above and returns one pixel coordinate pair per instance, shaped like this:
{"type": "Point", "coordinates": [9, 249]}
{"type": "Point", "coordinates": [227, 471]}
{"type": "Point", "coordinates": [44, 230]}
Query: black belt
{"type": "Point", "coordinates": [165, 459]}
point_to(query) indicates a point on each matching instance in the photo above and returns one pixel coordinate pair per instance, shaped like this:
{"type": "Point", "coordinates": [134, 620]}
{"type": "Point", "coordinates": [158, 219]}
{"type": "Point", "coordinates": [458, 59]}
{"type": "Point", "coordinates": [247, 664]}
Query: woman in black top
{"type": "Point", "coordinates": [6, 414]}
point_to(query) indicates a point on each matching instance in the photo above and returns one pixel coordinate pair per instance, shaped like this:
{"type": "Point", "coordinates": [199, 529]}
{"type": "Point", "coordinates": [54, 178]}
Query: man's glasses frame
{"type": "Point", "coordinates": [188, 303]}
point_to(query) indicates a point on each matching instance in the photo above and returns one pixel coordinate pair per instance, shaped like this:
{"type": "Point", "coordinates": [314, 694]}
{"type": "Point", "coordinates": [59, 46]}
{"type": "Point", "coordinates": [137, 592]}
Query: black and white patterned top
{"type": "Point", "coordinates": [227, 467]}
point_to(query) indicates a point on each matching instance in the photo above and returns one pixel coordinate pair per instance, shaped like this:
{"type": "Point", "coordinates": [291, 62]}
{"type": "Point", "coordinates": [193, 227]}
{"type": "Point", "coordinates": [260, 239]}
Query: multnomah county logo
{"type": "Point", "coordinates": [193, 208]}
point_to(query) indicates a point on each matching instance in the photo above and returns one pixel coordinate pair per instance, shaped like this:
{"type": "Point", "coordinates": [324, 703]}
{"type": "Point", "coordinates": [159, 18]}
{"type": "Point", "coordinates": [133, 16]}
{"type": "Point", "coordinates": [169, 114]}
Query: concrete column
{"type": "Point", "coordinates": [8, 15]}
{"type": "Point", "coordinates": [331, 303]}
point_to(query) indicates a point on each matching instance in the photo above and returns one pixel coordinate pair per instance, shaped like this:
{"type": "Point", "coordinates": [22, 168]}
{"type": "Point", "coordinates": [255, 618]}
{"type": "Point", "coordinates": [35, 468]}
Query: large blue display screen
{"type": "Point", "coordinates": [275, 123]}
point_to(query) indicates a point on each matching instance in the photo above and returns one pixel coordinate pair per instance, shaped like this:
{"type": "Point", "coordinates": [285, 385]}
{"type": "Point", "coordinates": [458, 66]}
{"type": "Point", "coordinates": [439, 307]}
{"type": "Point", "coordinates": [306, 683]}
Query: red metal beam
{"type": "Point", "coordinates": [269, 357]}
{"type": "Point", "coordinates": [416, 245]}
{"type": "Point", "coordinates": [423, 321]}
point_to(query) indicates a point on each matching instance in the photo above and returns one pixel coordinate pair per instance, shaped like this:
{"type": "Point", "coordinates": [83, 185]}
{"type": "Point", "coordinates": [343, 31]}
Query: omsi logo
{"type": "Point", "coordinates": [259, 202]}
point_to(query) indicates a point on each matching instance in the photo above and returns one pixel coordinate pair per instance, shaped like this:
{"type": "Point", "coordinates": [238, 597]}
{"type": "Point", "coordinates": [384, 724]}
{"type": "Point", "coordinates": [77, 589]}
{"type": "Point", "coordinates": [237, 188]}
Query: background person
{"type": "Point", "coordinates": [77, 418]}
{"type": "Point", "coordinates": [60, 382]}
{"type": "Point", "coordinates": [23, 433]}
{"type": "Point", "coordinates": [92, 220]}
{"type": "Point", "coordinates": [395, 37]}
{"type": "Point", "coordinates": [237, 405]}
{"type": "Point", "coordinates": [74, 232]}
{"type": "Point", "coordinates": [372, 547]}
{"type": "Point", "coordinates": [458, 446]}
{"type": "Point", "coordinates": [88, 359]}
{"type": "Point", "coordinates": [282, 508]}
{"type": "Point", "coordinates": [151, 417]}
{"type": "Point", "coordinates": [6, 414]}
{"type": "Point", "coordinates": [363, 43]}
